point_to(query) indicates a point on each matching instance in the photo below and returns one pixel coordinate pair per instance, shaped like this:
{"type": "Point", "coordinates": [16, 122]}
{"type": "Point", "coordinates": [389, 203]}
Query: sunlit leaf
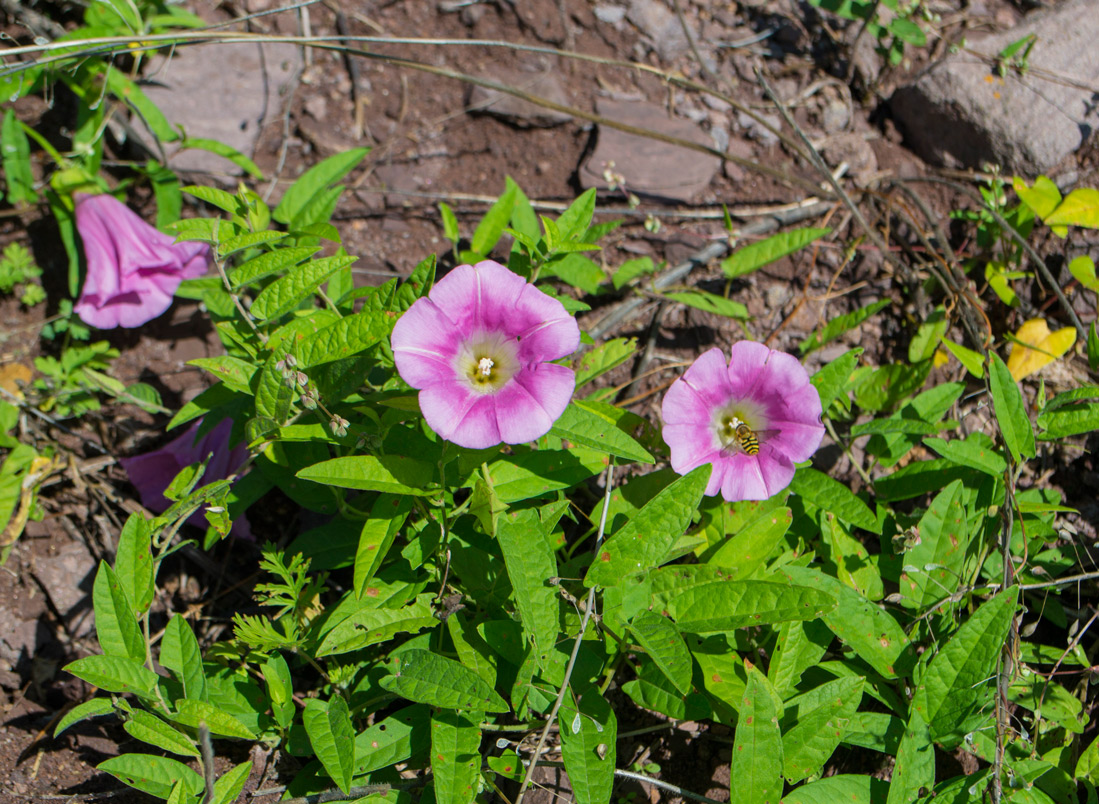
{"type": "Point", "coordinates": [1035, 346]}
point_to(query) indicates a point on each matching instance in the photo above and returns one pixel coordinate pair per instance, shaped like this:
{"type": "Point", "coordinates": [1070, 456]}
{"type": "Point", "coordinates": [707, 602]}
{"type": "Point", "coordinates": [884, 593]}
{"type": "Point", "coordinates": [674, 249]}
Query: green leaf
{"type": "Point", "coordinates": [1079, 208]}
{"type": "Point", "coordinates": [819, 719]}
{"type": "Point", "coordinates": [755, 773]}
{"type": "Point", "coordinates": [133, 562]}
{"type": "Point", "coordinates": [455, 760]}
{"type": "Point", "coordinates": [1042, 198]}
{"type": "Point", "coordinates": [977, 451]}
{"type": "Point", "coordinates": [756, 255]}
{"type": "Point", "coordinates": [152, 730]}
{"type": "Point", "coordinates": [248, 240]}
{"type": "Point", "coordinates": [829, 495]}
{"type": "Point", "coordinates": [180, 653]}
{"type": "Point", "coordinates": [1068, 420]}
{"type": "Point", "coordinates": [800, 645]}
{"type": "Point", "coordinates": [287, 292]}
{"type": "Point", "coordinates": [914, 773]}
{"type": "Point", "coordinates": [588, 746]}
{"type": "Point", "coordinates": [1083, 268]}
{"type": "Point", "coordinates": [882, 388]}
{"type": "Point", "coordinates": [652, 690]}
{"type": "Point", "coordinates": [1007, 402]}
{"type": "Point", "coordinates": [851, 560]}
{"type": "Point", "coordinates": [919, 478]}
{"type": "Point", "coordinates": [428, 678]}
{"type": "Point", "coordinates": [1093, 348]}
{"type": "Point", "coordinates": [369, 625]}
{"type": "Point", "coordinates": [908, 31]}
{"type": "Point", "coordinates": [710, 303]}
{"type": "Point", "coordinates": [603, 358]}
{"type": "Point", "coordinates": [575, 220]}
{"type": "Point", "coordinates": [114, 674]}
{"type": "Point", "coordinates": [973, 361]}
{"type": "Point", "coordinates": [225, 151]}
{"type": "Point", "coordinates": [153, 775]}
{"type": "Point", "coordinates": [280, 689]}
{"type": "Point", "coordinates": [491, 227]}
{"type": "Point", "coordinates": [753, 544]}
{"type": "Point", "coordinates": [595, 424]}
{"type": "Point", "coordinates": [642, 543]}
{"type": "Point", "coordinates": [933, 568]}
{"type": "Point", "coordinates": [959, 674]}
{"type": "Point", "coordinates": [228, 786]}
{"type": "Point", "coordinates": [726, 605]}
{"type": "Point", "coordinates": [532, 474]}
{"type": "Point", "coordinates": [632, 269]}
{"type": "Point", "coordinates": [15, 157]}
{"type": "Point", "coordinates": [450, 222]}
{"type": "Point", "coordinates": [848, 788]}
{"type": "Point", "coordinates": [393, 740]}
{"type": "Point", "coordinates": [315, 183]}
{"type": "Point", "coordinates": [273, 262]}
{"type": "Point", "coordinates": [837, 326]}
{"type": "Point", "coordinates": [119, 85]}
{"type": "Point", "coordinates": [348, 336]}
{"type": "Point", "coordinates": [927, 337]}
{"type": "Point", "coordinates": [233, 371]}
{"type": "Point", "coordinates": [115, 623]}
{"type": "Point", "coordinates": [96, 707]}
{"type": "Point", "coordinates": [194, 713]}
{"type": "Point", "coordinates": [1087, 766]}
{"type": "Point", "coordinates": [832, 380]}
{"type": "Point", "coordinates": [473, 651]}
{"type": "Point", "coordinates": [332, 737]}
{"type": "Point", "coordinates": [869, 630]}
{"type": "Point", "coordinates": [387, 515]}
{"type": "Point", "coordinates": [661, 640]}
{"type": "Point", "coordinates": [389, 473]}
{"type": "Point", "coordinates": [530, 564]}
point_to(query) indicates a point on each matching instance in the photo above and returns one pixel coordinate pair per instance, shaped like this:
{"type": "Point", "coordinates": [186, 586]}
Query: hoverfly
{"type": "Point", "coordinates": [746, 439]}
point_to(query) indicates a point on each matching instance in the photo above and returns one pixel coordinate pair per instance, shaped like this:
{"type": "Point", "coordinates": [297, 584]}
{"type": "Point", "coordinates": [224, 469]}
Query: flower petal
{"type": "Point", "coordinates": [425, 343]}
{"type": "Point", "coordinates": [708, 378]}
{"type": "Point", "coordinates": [743, 479]}
{"type": "Point", "coordinates": [459, 415]}
{"type": "Point", "coordinates": [478, 298]}
{"type": "Point", "coordinates": [776, 469]}
{"type": "Point", "coordinates": [527, 407]}
{"type": "Point", "coordinates": [684, 405]}
{"type": "Point", "coordinates": [543, 327]}
{"type": "Point", "coordinates": [691, 445]}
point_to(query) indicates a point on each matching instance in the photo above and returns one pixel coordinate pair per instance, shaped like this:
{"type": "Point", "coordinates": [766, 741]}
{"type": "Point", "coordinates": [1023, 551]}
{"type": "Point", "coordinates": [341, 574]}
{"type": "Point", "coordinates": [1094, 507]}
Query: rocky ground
{"type": "Point", "coordinates": [437, 138]}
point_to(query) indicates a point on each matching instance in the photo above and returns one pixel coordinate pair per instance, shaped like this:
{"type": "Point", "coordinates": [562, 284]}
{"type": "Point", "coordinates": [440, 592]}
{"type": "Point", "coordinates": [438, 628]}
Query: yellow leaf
{"type": "Point", "coordinates": [1037, 347]}
{"type": "Point", "coordinates": [13, 376]}
{"type": "Point", "coordinates": [1079, 208]}
{"type": "Point", "coordinates": [940, 358]}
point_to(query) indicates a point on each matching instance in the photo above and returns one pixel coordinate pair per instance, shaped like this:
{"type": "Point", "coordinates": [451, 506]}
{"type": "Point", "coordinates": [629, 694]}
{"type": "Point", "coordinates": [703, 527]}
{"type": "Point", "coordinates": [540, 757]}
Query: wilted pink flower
{"type": "Point", "coordinates": [152, 472]}
{"type": "Point", "coordinates": [752, 418]}
{"type": "Point", "coordinates": [478, 348]}
{"type": "Point", "coordinates": [133, 269]}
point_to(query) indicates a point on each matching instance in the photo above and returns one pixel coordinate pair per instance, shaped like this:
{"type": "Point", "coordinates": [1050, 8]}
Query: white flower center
{"type": "Point", "coordinates": [486, 361]}
{"type": "Point", "coordinates": [739, 426]}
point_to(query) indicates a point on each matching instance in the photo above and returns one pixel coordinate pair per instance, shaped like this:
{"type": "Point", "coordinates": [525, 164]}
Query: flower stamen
{"type": "Point", "coordinates": [484, 365]}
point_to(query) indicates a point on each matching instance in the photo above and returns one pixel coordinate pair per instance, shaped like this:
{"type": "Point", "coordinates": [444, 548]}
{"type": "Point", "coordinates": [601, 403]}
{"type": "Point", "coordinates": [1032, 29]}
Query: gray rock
{"type": "Point", "coordinates": [649, 166]}
{"type": "Point", "coordinates": [852, 148]}
{"type": "Point", "coordinates": [67, 575]}
{"type": "Point", "coordinates": [224, 92]}
{"type": "Point", "coordinates": [609, 14]}
{"type": "Point", "coordinates": [515, 110]}
{"type": "Point", "coordinates": [654, 19]}
{"type": "Point", "coordinates": [959, 113]}
{"type": "Point", "coordinates": [756, 130]}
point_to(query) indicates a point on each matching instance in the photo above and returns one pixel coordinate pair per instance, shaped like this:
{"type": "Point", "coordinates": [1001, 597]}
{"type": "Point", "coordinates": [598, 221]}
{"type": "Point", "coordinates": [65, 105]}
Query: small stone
{"type": "Point", "coordinates": [959, 112]}
{"type": "Point", "coordinates": [862, 162]}
{"type": "Point", "coordinates": [515, 110]}
{"type": "Point", "coordinates": [648, 166]}
{"type": "Point", "coordinates": [835, 116]}
{"type": "Point", "coordinates": [316, 107]}
{"type": "Point", "coordinates": [609, 14]}
{"type": "Point", "coordinates": [661, 25]}
{"type": "Point", "coordinates": [756, 130]}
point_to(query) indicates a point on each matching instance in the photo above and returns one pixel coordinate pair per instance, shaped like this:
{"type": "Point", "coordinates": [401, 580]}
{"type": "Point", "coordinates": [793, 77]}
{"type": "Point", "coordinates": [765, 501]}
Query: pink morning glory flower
{"type": "Point", "coordinates": [478, 348]}
{"type": "Point", "coordinates": [753, 418]}
{"type": "Point", "coordinates": [133, 269]}
{"type": "Point", "coordinates": [152, 472]}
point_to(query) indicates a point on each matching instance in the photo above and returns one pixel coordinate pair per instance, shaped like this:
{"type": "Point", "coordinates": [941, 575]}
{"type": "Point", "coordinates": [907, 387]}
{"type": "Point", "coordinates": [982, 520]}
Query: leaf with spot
{"type": "Point", "coordinates": [530, 563]}
{"type": "Point", "coordinates": [755, 771]}
{"type": "Point", "coordinates": [370, 625]}
{"type": "Point", "coordinates": [830, 495]}
{"type": "Point", "coordinates": [115, 624]}
{"type": "Point", "coordinates": [533, 474]}
{"type": "Point", "coordinates": [589, 734]}
{"type": "Point", "coordinates": [153, 775]}
{"type": "Point", "coordinates": [959, 674]}
{"type": "Point", "coordinates": [849, 788]}
{"type": "Point", "coordinates": [428, 678]}
{"type": "Point", "coordinates": [662, 641]}
{"type": "Point", "coordinates": [642, 543]}
{"type": "Point", "coordinates": [800, 645]}
{"type": "Point", "coordinates": [332, 737]}
{"type": "Point", "coordinates": [914, 773]}
{"type": "Point", "coordinates": [726, 605]}
{"type": "Point", "coordinates": [815, 723]}
{"type": "Point", "coordinates": [933, 568]}
{"type": "Point", "coordinates": [455, 757]}
{"type": "Point", "coordinates": [596, 424]}
{"type": "Point", "coordinates": [867, 628]}
{"type": "Point", "coordinates": [387, 515]}
{"type": "Point", "coordinates": [852, 561]}
{"type": "Point", "coordinates": [400, 736]}
{"type": "Point", "coordinates": [603, 358]}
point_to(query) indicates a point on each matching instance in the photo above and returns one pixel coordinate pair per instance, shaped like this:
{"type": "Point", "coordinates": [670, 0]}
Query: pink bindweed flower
{"type": "Point", "coordinates": [752, 418]}
{"type": "Point", "coordinates": [133, 269]}
{"type": "Point", "coordinates": [478, 348]}
{"type": "Point", "coordinates": [152, 472]}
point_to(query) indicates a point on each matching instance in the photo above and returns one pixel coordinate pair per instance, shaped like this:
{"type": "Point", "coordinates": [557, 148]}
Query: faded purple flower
{"type": "Point", "coordinates": [752, 418]}
{"type": "Point", "coordinates": [478, 348]}
{"type": "Point", "coordinates": [152, 472]}
{"type": "Point", "coordinates": [133, 269]}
